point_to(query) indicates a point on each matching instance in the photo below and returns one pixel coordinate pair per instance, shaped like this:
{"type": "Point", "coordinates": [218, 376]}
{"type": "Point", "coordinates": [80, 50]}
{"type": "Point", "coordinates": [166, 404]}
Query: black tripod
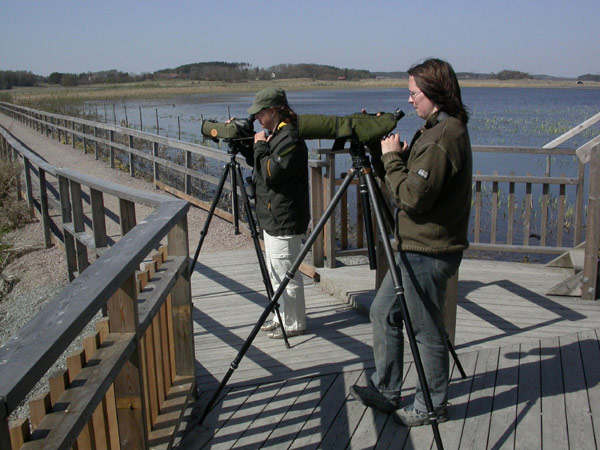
{"type": "Point", "coordinates": [360, 167]}
{"type": "Point", "coordinates": [233, 168]}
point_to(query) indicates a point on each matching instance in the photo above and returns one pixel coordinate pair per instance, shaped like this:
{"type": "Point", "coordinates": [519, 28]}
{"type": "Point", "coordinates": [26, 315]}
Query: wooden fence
{"type": "Point", "coordinates": [129, 384]}
{"type": "Point", "coordinates": [180, 168]}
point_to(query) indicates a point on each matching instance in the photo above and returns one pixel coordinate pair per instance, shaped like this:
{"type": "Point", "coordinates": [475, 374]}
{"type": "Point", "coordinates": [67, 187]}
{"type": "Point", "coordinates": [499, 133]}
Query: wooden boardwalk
{"type": "Point", "coordinates": [532, 364]}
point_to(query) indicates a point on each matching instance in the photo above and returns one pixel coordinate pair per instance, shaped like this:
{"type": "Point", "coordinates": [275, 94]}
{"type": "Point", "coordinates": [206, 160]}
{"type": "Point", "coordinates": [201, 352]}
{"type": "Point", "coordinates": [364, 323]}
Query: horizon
{"type": "Point", "coordinates": [552, 38]}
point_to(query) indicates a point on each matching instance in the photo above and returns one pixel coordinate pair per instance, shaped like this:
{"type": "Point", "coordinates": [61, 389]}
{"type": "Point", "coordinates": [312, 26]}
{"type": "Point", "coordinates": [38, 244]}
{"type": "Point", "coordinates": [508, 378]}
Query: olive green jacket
{"type": "Point", "coordinates": [281, 179]}
{"type": "Point", "coordinates": [432, 187]}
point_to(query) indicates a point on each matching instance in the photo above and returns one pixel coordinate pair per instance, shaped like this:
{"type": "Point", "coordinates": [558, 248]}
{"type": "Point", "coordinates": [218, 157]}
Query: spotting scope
{"type": "Point", "coordinates": [359, 127]}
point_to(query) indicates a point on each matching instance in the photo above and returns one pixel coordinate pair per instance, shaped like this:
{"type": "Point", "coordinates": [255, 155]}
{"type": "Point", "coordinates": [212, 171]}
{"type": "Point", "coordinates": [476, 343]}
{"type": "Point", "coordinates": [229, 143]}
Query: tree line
{"type": "Point", "coordinates": [232, 72]}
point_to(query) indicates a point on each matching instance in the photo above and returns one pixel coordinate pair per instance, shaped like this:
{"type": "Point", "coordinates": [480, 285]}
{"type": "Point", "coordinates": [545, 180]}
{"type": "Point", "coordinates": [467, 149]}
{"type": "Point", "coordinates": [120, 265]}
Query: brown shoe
{"type": "Point", "coordinates": [269, 326]}
{"type": "Point", "coordinates": [278, 333]}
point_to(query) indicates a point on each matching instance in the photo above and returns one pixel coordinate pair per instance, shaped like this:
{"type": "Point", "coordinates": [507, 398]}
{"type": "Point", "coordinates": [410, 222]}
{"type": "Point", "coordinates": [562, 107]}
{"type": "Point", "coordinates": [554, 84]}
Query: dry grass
{"type": "Point", "coordinates": [169, 88]}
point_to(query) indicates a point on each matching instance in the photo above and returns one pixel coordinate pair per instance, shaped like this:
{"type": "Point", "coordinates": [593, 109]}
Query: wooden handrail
{"type": "Point", "coordinates": [150, 329]}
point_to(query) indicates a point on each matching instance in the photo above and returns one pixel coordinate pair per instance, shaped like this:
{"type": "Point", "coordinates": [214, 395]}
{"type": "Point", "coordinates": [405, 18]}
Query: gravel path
{"type": "Point", "coordinates": [41, 273]}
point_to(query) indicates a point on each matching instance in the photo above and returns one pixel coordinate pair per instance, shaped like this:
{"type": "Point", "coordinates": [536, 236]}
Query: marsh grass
{"type": "Point", "coordinates": [58, 96]}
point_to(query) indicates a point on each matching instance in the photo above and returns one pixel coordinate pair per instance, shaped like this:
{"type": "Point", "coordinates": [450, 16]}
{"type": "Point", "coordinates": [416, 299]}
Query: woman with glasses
{"type": "Point", "coordinates": [430, 181]}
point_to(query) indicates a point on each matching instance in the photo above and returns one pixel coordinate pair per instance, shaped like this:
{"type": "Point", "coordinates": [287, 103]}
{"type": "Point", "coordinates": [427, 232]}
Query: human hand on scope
{"type": "Point", "coordinates": [262, 136]}
{"type": "Point", "coordinates": [392, 143]}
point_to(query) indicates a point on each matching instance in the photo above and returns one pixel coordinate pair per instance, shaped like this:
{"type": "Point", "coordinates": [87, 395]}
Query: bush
{"type": "Point", "coordinates": [14, 213]}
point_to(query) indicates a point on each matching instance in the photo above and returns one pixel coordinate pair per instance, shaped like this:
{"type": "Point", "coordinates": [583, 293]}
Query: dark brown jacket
{"type": "Point", "coordinates": [432, 187]}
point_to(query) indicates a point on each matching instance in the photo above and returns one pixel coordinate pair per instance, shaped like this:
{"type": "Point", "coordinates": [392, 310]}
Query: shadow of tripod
{"type": "Point", "coordinates": [361, 167]}
{"type": "Point", "coordinates": [234, 169]}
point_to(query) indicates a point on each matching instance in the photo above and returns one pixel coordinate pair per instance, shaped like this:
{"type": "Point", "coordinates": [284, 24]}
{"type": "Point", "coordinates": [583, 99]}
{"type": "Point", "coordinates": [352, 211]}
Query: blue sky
{"type": "Point", "coordinates": [551, 37]}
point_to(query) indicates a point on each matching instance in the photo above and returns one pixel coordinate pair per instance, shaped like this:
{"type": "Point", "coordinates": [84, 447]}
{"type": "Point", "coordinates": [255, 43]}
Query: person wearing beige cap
{"type": "Point", "coordinates": [282, 202]}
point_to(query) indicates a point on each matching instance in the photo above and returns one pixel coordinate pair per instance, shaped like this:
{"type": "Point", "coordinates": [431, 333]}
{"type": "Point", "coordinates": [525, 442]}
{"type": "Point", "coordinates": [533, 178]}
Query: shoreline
{"type": "Point", "coordinates": [169, 88]}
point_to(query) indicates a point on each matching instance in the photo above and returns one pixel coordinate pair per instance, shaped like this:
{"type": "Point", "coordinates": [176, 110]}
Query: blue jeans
{"type": "Point", "coordinates": [424, 278]}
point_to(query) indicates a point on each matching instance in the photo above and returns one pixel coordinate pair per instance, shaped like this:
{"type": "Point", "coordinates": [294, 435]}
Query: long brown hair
{"type": "Point", "coordinates": [437, 80]}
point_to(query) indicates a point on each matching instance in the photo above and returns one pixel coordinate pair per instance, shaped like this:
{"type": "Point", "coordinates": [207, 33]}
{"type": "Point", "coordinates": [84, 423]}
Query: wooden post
{"type": "Point", "coordinates": [131, 158]}
{"type": "Point", "coordinates": [589, 285]}
{"type": "Point", "coordinates": [126, 215]}
{"type": "Point", "coordinates": [112, 150]}
{"type": "Point", "coordinates": [28, 184]}
{"type": "Point", "coordinates": [98, 220]}
{"type": "Point", "coordinates": [155, 164]}
{"type": "Point", "coordinates": [95, 143]}
{"type": "Point", "coordinates": [182, 304]}
{"type": "Point", "coordinates": [44, 208]}
{"type": "Point", "coordinates": [330, 225]}
{"type": "Point", "coordinates": [73, 133]}
{"type": "Point", "coordinates": [123, 317]}
{"type": "Point", "coordinates": [316, 196]}
{"type": "Point", "coordinates": [188, 178]}
{"type": "Point", "coordinates": [65, 203]}
{"type": "Point", "coordinates": [78, 225]}
{"type": "Point", "coordinates": [579, 205]}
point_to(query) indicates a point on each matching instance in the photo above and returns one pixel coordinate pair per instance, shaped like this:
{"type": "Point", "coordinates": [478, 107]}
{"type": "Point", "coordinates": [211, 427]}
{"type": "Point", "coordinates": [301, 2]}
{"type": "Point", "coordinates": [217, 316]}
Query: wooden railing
{"type": "Point", "coordinates": [130, 383]}
{"type": "Point", "coordinates": [528, 228]}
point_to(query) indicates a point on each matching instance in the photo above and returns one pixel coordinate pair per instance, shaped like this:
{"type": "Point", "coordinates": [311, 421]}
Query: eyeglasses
{"type": "Point", "coordinates": [413, 95]}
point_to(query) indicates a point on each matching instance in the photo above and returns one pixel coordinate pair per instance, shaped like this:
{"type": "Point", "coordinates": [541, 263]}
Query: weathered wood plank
{"type": "Point", "coordinates": [554, 420]}
{"type": "Point", "coordinates": [59, 427]}
{"type": "Point", "coordinates": [579, 425]}
{"type": "Point", "coordinates": [529, 426]}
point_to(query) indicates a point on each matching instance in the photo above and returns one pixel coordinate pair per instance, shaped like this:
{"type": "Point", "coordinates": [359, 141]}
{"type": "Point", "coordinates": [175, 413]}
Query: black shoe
{"type": "Point", "coordinates": [369, 396]}
{"type": "Point", "coordinates": [278, 333]}
{"type": "Point", "coordinates": [269, 326]}
{"type": "Point", "coordinates": [411, 417]}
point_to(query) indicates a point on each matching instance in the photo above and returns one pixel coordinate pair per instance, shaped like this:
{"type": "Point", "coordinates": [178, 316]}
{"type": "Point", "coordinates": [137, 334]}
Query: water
{"type": "Point", "coordinates": [520, 117]}
{"type": "Point", "coordinates": [523, 117]}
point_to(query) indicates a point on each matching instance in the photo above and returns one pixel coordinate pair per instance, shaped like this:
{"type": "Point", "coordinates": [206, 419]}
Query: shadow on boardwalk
{"type": "Point", "coordinates": [532, 364]}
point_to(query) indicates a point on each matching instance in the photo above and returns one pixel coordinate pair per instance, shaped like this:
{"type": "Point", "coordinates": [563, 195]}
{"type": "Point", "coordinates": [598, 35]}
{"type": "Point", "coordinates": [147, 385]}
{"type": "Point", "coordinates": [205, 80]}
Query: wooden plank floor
{"type": "Point", "coordinates": [532, 364]}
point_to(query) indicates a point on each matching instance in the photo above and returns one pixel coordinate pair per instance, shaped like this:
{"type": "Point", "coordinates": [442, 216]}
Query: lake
{"type": "Point", "coordinates": [523, 117]}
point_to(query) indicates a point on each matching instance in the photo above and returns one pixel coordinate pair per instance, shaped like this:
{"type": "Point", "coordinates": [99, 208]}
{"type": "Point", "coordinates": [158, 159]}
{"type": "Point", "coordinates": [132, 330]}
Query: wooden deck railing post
{"type": "Point", "coordinates": [98, 219]}
{"type": "Point", "coordinates": [579, 205]}
{"type": "Point", "coordinates": [155, 164]}
{"type": "Point", "coordinates": [66, 216]}
{"type": "Point", "coordinates": [330, 227]}
{"type": "Point", "coordinates": [78, 225]}
{"type": "Point", "coordinates": [188, 178]}
{"type": "Point", "coordinates": [589, 286]}
{"type": "Point", "coordinates": [122, 318]}
{"type": "Point", "coordinates": [111, 155]}
{"type": "Point", "coordinates": [182, 304]}
{"type": "Point", "coordinates": [131, 157]}
{"type": "Point", "coordinates": [28, 184]}
{"type": "Point", "coordinates": [44, 208]}
{"type": "Point", "coordinates": [316, 197]}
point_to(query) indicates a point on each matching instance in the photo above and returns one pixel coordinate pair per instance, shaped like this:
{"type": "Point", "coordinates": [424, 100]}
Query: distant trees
{"type": "Point", "coordinates": [9, 78]}
{"type": "Point", "coordinates": [589, 77]}
{"type": "Point", "coordinates": [512, 75]}
{"type": "Point", "coordinates": [222, 71]}
{"type": "Point", "coordinates": [317, 71]}
{"type": "Point", "coordinates": [106, 76]}
{"type": "Point", "coordinates": [209, 71]}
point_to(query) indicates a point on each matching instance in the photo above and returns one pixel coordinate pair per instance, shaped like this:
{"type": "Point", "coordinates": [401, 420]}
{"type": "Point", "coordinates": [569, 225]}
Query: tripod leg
{"type": "Point", "coordinates": [289, 275]}
{"type": "Point", "coordinates": [364, 195]}
{"type": "Point", "coordinates": [211, 213]}
{"type": "Point", "coordinates": [400, 295]}
{"type": "Point", "coordinates": [261, 260]}
{"type": "Point", "coordinates": [234, 199]}
{"type": "Point", "coordinates": [455, 357]}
